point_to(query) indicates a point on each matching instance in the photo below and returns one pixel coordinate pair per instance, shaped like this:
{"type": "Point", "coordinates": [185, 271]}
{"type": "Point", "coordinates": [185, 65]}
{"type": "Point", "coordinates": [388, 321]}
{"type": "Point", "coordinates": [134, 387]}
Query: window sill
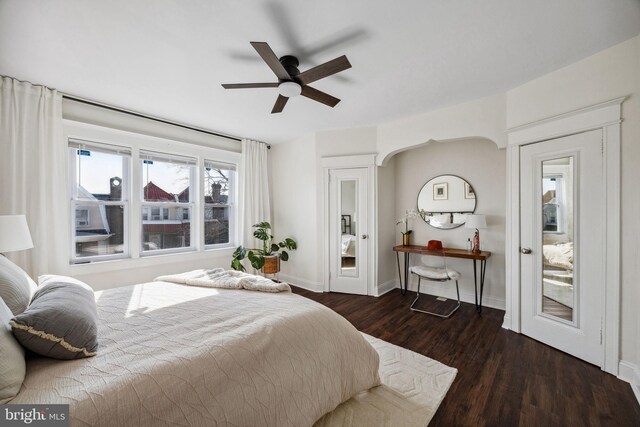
{"type": "Point", "coordinates": [151, 260]}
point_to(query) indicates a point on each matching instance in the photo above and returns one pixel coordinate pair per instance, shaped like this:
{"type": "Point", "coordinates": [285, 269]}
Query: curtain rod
{"type": "Point", "coordinates": [145, 116]}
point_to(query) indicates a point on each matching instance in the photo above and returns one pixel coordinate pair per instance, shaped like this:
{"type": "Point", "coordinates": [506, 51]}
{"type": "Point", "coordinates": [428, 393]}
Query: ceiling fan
{"type": "Point", "coordinates": [291, 82]}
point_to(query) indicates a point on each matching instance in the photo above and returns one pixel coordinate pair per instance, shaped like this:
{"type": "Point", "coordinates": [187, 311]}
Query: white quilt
{"type": "Point", "coordinates": [183, 355]}
{"type": "Point", "coordinates": [226, 279]}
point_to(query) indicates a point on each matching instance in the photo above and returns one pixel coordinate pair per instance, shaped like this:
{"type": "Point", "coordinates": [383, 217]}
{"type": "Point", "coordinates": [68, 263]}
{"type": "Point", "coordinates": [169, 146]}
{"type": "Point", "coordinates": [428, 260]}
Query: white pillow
{"type": "Point", "coordinates": [459, 218]}
{"type": "Point", "coordinates": [16, 287]}
{"type": "Point", "coordinates": [442, 219]}
{"type": "Point", "coordinates": [12, 364]}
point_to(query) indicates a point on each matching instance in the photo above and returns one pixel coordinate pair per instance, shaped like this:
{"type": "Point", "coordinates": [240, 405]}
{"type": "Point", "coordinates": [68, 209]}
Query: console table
{"type": "Point", "coordinates": [449, 253]}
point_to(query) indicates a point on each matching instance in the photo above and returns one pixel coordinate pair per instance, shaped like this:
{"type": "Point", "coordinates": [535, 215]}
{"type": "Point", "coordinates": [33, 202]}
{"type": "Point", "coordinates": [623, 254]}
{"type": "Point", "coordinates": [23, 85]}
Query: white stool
{"type": "Point", "coordinates": [435, 274]}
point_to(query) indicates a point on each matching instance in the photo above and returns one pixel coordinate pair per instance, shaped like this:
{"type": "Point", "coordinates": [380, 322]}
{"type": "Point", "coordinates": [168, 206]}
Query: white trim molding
{"type": "Point", "coordinates": [301, 283]}
{"type": "Point", "coordinates": [630, 373]}
{"type": "Point", "coordinates": [385, 287]}
{"type": "Point", "coordinates": [606, 116]}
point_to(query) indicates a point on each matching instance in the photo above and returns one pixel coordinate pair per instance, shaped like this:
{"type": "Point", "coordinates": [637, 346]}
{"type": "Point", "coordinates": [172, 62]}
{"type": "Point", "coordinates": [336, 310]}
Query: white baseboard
{"type": "Point", "coordinates": [301, 283]}
{"type": "Point", "coordinates": [385, 287]}
{"type": "Point", "coordinates": [506, 322]}
{"type": "Point", "coordinates": [630, 373]}
{"type": "Point", "coordinates": [450, 292]}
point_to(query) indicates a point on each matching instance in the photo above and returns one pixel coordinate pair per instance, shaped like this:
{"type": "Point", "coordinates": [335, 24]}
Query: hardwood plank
{"type": "Point", "coordinates": [504, 379]}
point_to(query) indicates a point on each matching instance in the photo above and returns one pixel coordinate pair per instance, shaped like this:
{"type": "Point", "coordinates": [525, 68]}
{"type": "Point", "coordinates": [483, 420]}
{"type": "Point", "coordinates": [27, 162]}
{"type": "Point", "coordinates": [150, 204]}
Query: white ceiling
{"type": "Point", "coordinates": [167, 58]}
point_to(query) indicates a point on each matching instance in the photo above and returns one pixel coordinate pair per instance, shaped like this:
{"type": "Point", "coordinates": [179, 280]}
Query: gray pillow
{"type": "Point", "coordinates": [12, 364]}
{"type": "Point", "coordinates": [61, 321]}
{"type": "Point", "coordinates": [16, 287]}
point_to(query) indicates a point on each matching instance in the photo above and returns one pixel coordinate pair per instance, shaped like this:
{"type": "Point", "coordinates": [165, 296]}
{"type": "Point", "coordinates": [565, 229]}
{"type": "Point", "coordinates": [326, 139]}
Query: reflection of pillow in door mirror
{"type": "Point", "coordinates": [459, 218]}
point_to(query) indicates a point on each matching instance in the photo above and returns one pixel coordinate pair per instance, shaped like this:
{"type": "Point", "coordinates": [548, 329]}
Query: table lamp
{"type": "Point", "coordinates": [14, 234]}
{"type": "Point", "coordinates": [477, 222]}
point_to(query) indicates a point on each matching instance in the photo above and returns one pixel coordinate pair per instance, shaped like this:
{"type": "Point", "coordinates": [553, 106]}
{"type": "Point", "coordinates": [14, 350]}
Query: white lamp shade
{"type": "Point", "coordinates": [14, 233]}
{"type": "Point", "coordinates": [476, 221]}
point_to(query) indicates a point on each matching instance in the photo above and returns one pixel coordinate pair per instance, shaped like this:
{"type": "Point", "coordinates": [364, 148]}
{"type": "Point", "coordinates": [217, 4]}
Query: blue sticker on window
{"type": "Point", "coordinates": [84, 153]}
{"type": "Point", "coordinates": [147, 162]}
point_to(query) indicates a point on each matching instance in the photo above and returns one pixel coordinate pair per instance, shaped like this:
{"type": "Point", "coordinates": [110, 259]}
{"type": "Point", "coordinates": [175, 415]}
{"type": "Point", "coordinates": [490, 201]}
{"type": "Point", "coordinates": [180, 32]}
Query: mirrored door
{"type": "Point", "coordinates": [562, 243]}
{"type": "Point", "coordinates": [348, 231]}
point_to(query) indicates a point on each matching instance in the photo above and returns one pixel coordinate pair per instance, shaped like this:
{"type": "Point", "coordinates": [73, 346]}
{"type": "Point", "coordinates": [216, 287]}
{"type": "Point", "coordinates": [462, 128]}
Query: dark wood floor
{"type": "Point", "coordinates": [504, 379]}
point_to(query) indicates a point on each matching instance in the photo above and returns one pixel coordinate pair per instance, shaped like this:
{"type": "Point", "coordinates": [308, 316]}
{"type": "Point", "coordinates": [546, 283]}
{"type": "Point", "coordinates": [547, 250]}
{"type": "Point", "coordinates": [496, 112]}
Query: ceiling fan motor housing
{"type": "Point", "coordinates": [290, 63]}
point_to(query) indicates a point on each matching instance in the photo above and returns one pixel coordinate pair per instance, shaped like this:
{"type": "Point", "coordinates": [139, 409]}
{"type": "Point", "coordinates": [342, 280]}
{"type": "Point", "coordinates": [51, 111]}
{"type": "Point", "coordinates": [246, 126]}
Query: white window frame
{"type": "Point", "coordinates": [137, 142]}
{"type": "Point", "coordinates": [231, 204]}
{"type": "Point", "coordinates": [192, 204]}
{"type": "Point", "coordinates": [76, 203]}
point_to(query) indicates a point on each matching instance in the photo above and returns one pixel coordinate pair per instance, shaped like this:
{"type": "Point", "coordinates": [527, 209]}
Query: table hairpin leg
{"type": "Point", "coordinates": [403, 288]}
{"type": "Point", "coordinates": [483, 265]}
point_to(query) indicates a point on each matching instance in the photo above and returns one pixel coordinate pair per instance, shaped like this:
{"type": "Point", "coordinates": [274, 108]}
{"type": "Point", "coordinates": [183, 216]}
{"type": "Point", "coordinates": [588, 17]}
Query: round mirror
{"type": "Point", "coordinates": [445, 201]}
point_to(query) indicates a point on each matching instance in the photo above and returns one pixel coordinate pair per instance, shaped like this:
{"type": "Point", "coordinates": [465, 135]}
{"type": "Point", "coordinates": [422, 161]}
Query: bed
{"type": "Point", "coordinates": [172, 354]}
{"type": "Point", "coordinates": [558, 272]}
{"type": "Point", "coordinates": [348, 246]}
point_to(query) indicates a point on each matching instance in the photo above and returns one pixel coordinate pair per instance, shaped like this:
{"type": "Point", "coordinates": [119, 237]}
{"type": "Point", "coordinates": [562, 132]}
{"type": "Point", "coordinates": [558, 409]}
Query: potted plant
{"type": "Point", "coordinates": [406, 234]}
{"type": "Point", "coordinates": [266, 258]}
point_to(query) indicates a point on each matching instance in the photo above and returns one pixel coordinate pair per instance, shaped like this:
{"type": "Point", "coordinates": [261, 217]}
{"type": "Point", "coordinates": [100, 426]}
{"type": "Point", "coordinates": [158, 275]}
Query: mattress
{"type": "Point", "coordinates": [180, 355]}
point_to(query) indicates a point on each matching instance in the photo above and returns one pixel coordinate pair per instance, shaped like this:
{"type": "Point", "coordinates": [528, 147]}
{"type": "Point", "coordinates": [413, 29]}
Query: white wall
{"type": "Point", "coordinates": [387, 202]}
{"type": "Point", "coordinates": [482, 118]}
{"type": "Point", "coordinates": [294, 200]}
{"type": "Point", "coordinates": [483, 165]}
{"type": "Point", "coordinates": [612, 73]}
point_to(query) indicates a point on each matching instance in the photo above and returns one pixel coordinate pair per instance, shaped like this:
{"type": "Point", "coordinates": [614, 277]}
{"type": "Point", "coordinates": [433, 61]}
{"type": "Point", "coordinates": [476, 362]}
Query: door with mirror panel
{"type": "Point", "coordinates": [562, 239]}
{"type": "Point", "coordinates": [348, 228]}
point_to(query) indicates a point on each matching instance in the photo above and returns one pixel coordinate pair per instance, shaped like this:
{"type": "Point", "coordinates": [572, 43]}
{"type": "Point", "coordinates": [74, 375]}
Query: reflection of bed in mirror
{"type": "Point", "coordinates": [348, 243]}
{"type": "Point", "coordinates": [446, 220]}
{"type": "Point", "coordinates": [558, 272]}
{"type": "Point", "coordinates": [445, 201]}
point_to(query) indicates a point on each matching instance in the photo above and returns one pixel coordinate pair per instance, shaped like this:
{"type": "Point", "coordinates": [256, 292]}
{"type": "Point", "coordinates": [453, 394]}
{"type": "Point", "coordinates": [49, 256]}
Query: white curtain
{"type": "Point", "coordinates": [254, 179]}
{"type": "Point", "coordinates": [32, 171]}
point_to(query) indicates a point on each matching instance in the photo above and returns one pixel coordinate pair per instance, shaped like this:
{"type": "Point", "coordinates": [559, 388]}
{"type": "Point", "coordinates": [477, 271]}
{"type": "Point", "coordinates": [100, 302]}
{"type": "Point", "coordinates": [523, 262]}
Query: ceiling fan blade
{"type": "Point", "coordinates": [279, 105]}
{"type": "Point", "coordinates": [271, 59]}
{"type": "Point", "coordinates": [248, 85]}
{"type": "Point", "coordinates": [319, 96]}
{"type": "Point", "coordinates": [324, 70]}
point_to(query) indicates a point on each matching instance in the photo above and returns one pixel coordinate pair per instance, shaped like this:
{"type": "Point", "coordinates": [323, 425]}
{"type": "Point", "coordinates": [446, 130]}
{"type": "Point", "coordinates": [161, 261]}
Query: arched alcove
{"type": "Point", "coordinates": [482, 163]}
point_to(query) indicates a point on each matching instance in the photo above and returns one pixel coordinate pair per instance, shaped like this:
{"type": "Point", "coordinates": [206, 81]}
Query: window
{"type": "Point", "coordinates": [128, 200]}
{"type": "Point", "coordinates": [99, 175]}
{"type": "Point", "coordinates": [553, 204]}
{"type": "Point", "coordinates": [167, 184]}
{"type": "Point", "coordinates": [219, 185]}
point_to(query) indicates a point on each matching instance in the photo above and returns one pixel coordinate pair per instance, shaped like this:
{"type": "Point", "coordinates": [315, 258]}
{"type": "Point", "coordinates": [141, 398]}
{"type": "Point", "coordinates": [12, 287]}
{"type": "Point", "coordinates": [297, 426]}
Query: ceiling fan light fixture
{"type": "Point", "coordinates": [289, 89]}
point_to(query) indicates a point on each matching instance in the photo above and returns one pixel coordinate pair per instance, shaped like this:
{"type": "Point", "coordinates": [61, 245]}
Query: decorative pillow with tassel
{"type": "Point", "coordinates": [62, 320]}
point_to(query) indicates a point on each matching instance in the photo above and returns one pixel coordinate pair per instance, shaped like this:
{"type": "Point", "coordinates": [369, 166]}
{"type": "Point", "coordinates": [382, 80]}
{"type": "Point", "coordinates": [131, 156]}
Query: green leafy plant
{"type": "Point", "coordinates": [269, 248]}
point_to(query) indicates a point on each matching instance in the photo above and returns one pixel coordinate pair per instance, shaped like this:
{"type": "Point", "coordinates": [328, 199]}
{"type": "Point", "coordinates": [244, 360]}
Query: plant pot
{"type": "Point", "coordinates": [406, 239]}
{"type": "Point", "coordinates": [271, 264]}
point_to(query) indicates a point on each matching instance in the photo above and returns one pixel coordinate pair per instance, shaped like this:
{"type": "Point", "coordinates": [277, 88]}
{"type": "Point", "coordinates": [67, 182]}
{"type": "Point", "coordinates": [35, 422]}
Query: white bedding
{"type": "Point", "coordinates": [559, 255]}
{"type": "Point", "coordinates": [348, 246]}
{"type": "Point", "coordinates": [182, 355]}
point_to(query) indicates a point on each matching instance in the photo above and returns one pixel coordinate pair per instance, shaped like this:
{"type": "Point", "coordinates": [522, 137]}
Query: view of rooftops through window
{"type": "Point", "coordinates": [167, 206]}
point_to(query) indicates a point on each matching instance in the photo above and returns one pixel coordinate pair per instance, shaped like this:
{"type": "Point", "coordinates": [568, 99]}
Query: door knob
{"type": "Point", "coordinates": [525, 251]}
{"type": "Point", "coordinates": [364, 236]}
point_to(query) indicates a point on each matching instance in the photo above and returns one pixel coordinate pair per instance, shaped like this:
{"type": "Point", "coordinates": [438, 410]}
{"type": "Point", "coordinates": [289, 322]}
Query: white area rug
{"type": "Point", "coordinates": [413, 387]}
